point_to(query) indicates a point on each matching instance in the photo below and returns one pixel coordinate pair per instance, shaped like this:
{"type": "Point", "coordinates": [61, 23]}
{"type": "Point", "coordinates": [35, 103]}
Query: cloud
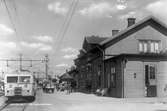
{"type": "Point", "coordinates": [4, 30]}
{"type": "Point", "coordinates": [122, 4]}
{"type": "Point", "coordinates": [7, 45]}
{"type": "Point", "coordinates": [69, 50]}
{"type": "Point", "coordinates": [129, 14]}
{"type": "Point", "coordinates": [70, 56]}
{"type": "Point", "coordinates": [31, 45]}
{"type": "Point", "coordinates": [62, 65]}
{"type": "Point", "coordinates": [40, 46]}
{"type": "Point", "coordinates": [158, 9]}
{"type": "Point", "coordinates": [44, 38]}
{"type": "Point", "coordinates": [71, 53]}
{"type": "Point", "coordinates": [6, 48]}
{"type": "Point", "coordinates": [57, 8]}
{"type": "Point", "coordinates": [138, 14]}
{"type": "Point", "coordinates": [98, 10]}
{"type": "Point", "coordinates": [46, 48]}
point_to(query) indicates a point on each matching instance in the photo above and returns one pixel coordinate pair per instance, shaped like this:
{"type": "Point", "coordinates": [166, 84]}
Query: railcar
{"type": "Point", "coordinates": [20, 85]}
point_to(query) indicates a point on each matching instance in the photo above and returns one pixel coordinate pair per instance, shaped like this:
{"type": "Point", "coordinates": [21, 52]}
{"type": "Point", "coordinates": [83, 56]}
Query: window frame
{"type": "Point", "coordinates": [150, 78]}
{"type": "Point", "coordinates": [22, 78]}
{"type": "Point", "coordinates": [112, 76]}
{"type": "Point", "coordinates": [9, 78]}
{"type": "Point", "coordinates": [149, 46]}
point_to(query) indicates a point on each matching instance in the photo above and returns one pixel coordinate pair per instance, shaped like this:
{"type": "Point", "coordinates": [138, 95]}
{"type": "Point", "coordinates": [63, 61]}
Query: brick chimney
{"type": "Point", "coordinates": [131, 21]}
{"type": "Point", "coordinates": [114, 32]}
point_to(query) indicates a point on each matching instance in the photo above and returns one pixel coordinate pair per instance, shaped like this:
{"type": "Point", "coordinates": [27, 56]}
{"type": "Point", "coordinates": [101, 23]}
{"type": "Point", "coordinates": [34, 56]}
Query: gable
{"type": "Point", "coordinates": [91, 42]}
{"type": "Point", "coordinates": [153, 22]}
{"type": "Point", "coordinates": [130, 44]}
{"type": "Point", "coordinates": [87, 46]}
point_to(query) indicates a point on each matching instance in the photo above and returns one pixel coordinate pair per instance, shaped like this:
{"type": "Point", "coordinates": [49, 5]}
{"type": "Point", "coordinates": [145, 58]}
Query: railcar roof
{"type": "Point", "coordinates": [20, 74]}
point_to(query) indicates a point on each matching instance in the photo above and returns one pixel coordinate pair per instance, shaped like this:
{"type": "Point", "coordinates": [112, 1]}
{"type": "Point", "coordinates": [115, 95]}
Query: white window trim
{"type": "Point", "coordinates": [145, 46]}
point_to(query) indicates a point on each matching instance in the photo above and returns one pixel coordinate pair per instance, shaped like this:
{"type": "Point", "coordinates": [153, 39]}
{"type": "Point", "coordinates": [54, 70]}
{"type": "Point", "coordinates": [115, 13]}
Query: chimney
{"type": "Point", "coordinates": [131, 21]}
{"type": "Point", "coordinates": [114, 32]}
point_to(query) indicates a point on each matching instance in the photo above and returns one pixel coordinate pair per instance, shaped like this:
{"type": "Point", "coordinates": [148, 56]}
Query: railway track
{"type": "Point", "coordinates": [8, 106]}
{"type": "Point", "coordinates": [4, 106]}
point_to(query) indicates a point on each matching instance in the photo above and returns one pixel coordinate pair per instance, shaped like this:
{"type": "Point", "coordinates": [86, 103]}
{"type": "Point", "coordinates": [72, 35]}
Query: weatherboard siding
{"type": "Point", "coordinates": [162, 79]}
{"type": "Point", "coordinates": [130, 44]}
{"type": "Point", "coordinates": [116, 91]}
{"type": "Point", "coordinates": [134, 86]}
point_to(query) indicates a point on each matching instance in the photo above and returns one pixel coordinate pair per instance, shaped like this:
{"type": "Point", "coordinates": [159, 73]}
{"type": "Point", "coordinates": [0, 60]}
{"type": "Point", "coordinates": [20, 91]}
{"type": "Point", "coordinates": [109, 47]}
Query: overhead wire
{"type": "Point", "coordinates": [10, 16]}
{"type": "Point", "coordinates": [14, 5]}
{"type": "Point", "coordinates": [67, 22]}
{"type": "Point", "coordinates": [65, 25]}
{"type": "Point", "coordinates": [3, 2]}
{"type": "Point", "coordinates": [17, 19]}
{"type": "Point", "coordinates": [16, 12]}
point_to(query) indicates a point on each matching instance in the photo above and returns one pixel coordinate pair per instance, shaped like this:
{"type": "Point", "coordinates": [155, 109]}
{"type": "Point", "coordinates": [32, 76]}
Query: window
{"type": "Point", "coordinates": [25, 79]}
{"type": "Point", "coordinates": [149, 46]}
{"type": "Point", "coordinates": [140, 47]}
{"type": "Point", "coordinates": [99, 69]}
{"type": "Point", "coordinates": [145, 46]}
{"type": "Point", "coordinates": [113, 77]}
{"type": "Point", "coordinates": [152, 72]}
{"type": "Point", "coordinates": [12, 79]}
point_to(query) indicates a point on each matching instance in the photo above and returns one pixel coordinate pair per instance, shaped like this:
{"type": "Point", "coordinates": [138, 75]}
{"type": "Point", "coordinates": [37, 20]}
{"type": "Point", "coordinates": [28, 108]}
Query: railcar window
{"type": "Point", "coordinates": [25, 79]}
{"type": "Point", "coordinates": [12, 79]}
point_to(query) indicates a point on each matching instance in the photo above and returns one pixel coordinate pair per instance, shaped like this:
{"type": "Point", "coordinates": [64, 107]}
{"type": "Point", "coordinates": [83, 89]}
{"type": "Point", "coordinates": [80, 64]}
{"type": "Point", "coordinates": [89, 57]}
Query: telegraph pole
{"type": "Point", "coordinates": [20, 59]}
{"type": "Point", "coordinates": [46, 65]}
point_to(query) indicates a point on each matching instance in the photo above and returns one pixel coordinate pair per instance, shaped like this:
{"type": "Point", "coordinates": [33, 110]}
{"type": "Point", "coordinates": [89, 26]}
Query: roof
{"type": "Point", "coordinates": [148, 56]}
{"type": "Point", "coordinates": [130, 30]}
{"type": "Point", "coordinates": [95, 39]}
{"type": "Point", "coordinates": [66, 76]}
{"type": "Point", "coordinates": [20, 74]}
{"type": "Point", "coordinates": [92, 40]}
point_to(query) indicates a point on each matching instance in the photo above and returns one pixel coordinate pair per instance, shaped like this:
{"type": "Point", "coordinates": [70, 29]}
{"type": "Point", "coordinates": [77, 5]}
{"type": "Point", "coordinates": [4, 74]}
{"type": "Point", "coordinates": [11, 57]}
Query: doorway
{"type": "Point", "coordinates": [150, 80]}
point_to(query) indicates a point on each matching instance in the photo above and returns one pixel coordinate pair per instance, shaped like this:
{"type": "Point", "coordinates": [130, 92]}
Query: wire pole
{"type": "Point", "coordinates": [20, 61]}
{"type": "Point", "coordinates": [46, 65]}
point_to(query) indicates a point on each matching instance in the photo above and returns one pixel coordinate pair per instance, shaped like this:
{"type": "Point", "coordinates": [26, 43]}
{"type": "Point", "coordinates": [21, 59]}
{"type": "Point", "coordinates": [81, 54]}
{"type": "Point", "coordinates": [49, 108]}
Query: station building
{"type": "Point", "coordinates": [131, 63]}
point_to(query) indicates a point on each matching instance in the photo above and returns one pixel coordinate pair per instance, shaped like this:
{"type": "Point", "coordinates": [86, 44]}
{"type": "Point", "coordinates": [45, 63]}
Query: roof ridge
{"type": "Point", "coordinates": [131, 27]}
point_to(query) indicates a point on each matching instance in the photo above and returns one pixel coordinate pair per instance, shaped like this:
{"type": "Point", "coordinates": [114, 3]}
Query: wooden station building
{"type": "Point", "coordinates": [131, 63]}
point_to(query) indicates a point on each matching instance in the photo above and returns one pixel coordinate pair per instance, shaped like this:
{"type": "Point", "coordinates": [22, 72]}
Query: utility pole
{"type": "Point", "coordinates": [46, 65]}
{"type": "Point", "coordinates": [20, 61]}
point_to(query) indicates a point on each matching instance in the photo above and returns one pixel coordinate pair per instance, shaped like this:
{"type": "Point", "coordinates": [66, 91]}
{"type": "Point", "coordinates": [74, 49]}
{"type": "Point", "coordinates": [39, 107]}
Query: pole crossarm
{"type": "Point", "coordinates": [21, 60]}
{"type": "Point", "coordinates": [44, 60]}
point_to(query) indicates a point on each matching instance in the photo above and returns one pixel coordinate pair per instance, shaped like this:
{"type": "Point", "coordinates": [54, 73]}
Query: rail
{"type": "Point", "coordinates": [8, 106]}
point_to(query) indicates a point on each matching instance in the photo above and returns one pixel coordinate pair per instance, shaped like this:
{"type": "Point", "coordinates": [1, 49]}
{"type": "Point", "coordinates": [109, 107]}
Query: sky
{"type": "Point", "coordinates": [57, 27]}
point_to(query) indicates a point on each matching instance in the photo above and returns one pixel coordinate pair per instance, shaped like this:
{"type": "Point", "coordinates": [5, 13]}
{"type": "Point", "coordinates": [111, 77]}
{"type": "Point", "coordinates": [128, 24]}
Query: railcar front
{"type": "Point", "coordinates": [20, 86]}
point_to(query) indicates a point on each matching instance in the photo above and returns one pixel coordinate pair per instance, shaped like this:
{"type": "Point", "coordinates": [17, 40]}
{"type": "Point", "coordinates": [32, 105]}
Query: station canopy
{"type": "Point", "coordinates": [66, 77]}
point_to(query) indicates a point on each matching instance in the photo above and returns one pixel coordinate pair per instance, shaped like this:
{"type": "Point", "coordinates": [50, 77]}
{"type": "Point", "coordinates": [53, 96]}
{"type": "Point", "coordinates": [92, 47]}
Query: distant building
{"type": "Point", "coordinates": [131, 63]}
